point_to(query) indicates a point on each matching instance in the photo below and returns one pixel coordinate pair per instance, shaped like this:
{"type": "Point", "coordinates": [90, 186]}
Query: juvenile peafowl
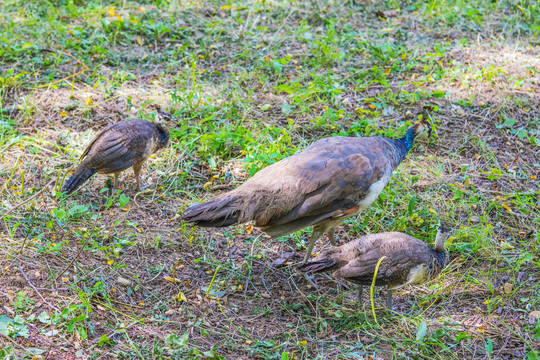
{"type": "Point", "coordinates": [325, 184]}
{"type": "Point", "coordinates": [407, 260]}
{"type": "Point", "coordinates": [122, 145]}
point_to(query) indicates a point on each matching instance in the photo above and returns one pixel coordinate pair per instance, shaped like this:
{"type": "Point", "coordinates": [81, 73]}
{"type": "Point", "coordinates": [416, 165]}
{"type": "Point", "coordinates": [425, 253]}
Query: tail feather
{"type": "Point", "coordinates": [80, 175]}
{"type": "Point", "coordinates": [218, 212]}
{"type": "Point", "coordinates": [317, 266]}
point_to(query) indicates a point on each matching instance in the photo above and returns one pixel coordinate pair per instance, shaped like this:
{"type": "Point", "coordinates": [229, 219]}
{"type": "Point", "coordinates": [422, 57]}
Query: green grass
{"type": "Point", "coordinates": [252, 82]}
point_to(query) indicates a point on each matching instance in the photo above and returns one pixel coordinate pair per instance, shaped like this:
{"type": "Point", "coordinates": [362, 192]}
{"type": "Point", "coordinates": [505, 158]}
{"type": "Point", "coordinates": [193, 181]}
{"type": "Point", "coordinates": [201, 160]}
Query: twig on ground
{"type": "Point", "coordinates": [34, 288]}
{"type": "Point", "coordinates": [30, 198]}
{"type": "Point", "coordinates": [69, 265]}
{"type": "Point", "coordinates": [70, 76]}
{"type": "Point", "coordinates": [250, 266]}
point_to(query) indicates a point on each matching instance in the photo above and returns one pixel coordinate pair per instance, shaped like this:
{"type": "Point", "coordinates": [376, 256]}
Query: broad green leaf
{"type": "Point", "coordinates": [412, 202]}
{"type": "Point", "coordinates": [44, 317]}
{"type": "Point", "coordinates": [123, 200]}
{"type": "Point", "coordinates": [421, 332]}
{"type": "Point", "coordinates": [489, 347]}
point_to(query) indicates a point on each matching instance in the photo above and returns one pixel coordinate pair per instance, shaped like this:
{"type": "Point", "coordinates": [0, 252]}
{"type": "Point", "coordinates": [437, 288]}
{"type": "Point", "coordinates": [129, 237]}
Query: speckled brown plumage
{"type": "Point", "coordinates": [407, 260]}
{"type": "Point", "coordinates": [116, 148]}
{"type": "Point", "coordinates": [321, 186]}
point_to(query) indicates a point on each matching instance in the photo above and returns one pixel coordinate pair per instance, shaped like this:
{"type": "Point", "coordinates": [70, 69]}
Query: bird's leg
{"type": "Point", "coordinates": [360, 292]}
{"type": "Point", "coordinates": [389, 299]}
{"type": "Point", "coordinates": [331, 236]}
{"type": "Point", "coordinates": [136, 171]}
{"type": "Point", "coordinates": [115, 184]}
{"type": "Point", "coordinates": [315, 235]}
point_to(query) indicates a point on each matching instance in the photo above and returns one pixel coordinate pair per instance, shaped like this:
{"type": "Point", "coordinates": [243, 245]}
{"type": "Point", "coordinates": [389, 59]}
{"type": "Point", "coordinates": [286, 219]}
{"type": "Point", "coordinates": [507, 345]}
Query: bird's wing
{"type": "Point", "coordinates": [361, 267]}
{"type": "Point", "coordinates": [403, 248]}
{"type": "Point", "coordinates": [394, 268]}
{"type": "Point", "coordinates": [118, 146]}
{"type": "Point", "coordinates": [99, 134]}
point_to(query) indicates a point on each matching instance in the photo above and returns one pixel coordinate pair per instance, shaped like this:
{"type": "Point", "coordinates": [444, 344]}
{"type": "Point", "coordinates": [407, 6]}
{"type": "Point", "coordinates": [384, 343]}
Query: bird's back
{"type": "Point", "coordinates": [332, 174]}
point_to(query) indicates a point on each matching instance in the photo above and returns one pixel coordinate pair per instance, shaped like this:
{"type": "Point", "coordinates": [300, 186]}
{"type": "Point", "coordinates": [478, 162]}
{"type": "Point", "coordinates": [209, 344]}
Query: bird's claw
{"type": "Point", "coordinates": [144, 187]}
{"type": "Point", "coordinates": [310, 279]}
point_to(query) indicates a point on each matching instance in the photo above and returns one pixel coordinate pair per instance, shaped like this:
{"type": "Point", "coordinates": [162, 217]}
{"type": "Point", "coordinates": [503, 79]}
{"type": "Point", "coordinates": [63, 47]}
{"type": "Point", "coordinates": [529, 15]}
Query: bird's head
{"type": "Point", "coordinates": [159, 122]}
{"type": "Point", "coordinates": [163, 116]}
{"type": "Point", "coordinates": [422, 129]}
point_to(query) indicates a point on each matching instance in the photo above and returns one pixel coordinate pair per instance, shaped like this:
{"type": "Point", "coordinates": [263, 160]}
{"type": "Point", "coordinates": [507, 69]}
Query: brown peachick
{"type": "Point", "coordinates": [122, 145]}
{"type": "Point", "coordinates": [407, 260]}
{"type": "Point", "coordinates": [323, 185]}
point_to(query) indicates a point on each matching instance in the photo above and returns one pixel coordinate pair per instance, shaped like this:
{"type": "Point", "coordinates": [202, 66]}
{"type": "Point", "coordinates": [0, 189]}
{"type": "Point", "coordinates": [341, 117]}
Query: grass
{"type": "Point", "coordinates": [95, 275]}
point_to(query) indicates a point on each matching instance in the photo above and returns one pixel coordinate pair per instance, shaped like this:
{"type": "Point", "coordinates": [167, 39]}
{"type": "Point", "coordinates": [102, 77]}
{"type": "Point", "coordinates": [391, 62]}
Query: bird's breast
{"type": "Point", "coordinates": [418, 274]}
{"type": "Point", "coordinates": [150, 148]}
{"type": "Point", "coordinates": [373, 192]}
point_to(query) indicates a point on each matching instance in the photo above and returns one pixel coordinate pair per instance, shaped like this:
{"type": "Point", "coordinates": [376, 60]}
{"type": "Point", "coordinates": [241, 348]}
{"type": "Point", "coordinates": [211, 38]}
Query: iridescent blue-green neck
{"type": "Point", "coordinates": [408, 139]}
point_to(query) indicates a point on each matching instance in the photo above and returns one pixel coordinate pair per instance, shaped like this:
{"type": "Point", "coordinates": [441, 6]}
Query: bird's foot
{"type": "Point", "coordinates": [143, 188]}
{"type": "Point", "coordinates": [310, 279]}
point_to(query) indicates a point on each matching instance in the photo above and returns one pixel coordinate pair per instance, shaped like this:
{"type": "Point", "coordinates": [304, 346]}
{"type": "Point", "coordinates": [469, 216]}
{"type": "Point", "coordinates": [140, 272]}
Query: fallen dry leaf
{"type": "Point", "coordinates": [279, 262]}
{"type": "Point", "coordinates": [123, 281]}
{"type": "Point", "coordinates": [171, 279]}
{"type": "Point", "coordinates": [387, 13]}
{"type": "Point", "coordinates": [181, 297]}
{"type": "Point", "coordinates": [533, 316]}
